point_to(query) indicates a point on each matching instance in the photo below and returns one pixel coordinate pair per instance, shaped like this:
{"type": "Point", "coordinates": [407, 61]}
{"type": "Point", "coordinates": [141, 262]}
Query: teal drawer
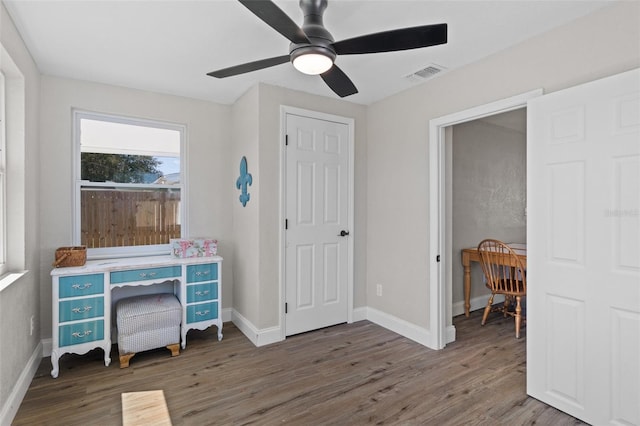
{"type": "Point", "coordinates": [80, 285]}
{"type": "Point", "coordinates": [83, 332]}
{"type": "Point", "coordinates": [145, 274]}
{"type": "Point", "coordinates": [78, 309]}
{"type": "Point", "coordinates": [202, 292]}
{"type": "Point", "coordinates": [204, 272]}
{"type": "Point", "coordinates": [202, 312]}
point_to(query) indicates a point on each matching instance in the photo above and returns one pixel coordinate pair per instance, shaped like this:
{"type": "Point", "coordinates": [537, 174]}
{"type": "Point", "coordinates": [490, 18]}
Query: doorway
{"type": "Point", "coordinates": [318, 217]}
{"type": "Point", "coordinates": [440, 222]}
{"type": "Point", "coordinates": [488, 193]}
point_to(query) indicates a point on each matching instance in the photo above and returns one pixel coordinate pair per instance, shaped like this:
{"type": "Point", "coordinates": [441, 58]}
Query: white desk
{"type": "Point", "coordinates": [81, 298]}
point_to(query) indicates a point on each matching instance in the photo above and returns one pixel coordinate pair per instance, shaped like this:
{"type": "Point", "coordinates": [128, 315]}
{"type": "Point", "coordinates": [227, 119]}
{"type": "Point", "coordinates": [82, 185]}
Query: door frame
{"type": "Point", "coordinates": [440, 271]}
{"type": "Point", "coordinates": [350, 123]}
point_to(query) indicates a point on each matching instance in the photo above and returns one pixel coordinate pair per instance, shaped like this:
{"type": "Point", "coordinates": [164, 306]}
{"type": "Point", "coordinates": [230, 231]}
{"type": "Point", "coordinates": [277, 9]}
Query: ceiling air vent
{"type": "Point", "coordinates": [426, 73]}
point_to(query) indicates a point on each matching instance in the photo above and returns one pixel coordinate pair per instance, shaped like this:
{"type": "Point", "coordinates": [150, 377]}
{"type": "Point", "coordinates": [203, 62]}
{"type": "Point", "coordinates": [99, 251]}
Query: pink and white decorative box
{"type": "Point", "coordinates": [193, 247]}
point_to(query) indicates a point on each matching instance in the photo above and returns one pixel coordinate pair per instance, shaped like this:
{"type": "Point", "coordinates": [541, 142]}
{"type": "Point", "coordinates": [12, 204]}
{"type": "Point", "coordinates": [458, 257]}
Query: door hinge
{"type": "Point", "coordinates": [286, 140]}
{"type": "Point", "coordinates": [286, 224]}
{"type": "Point", "coordinates": [286, 308]}
{"type": "Point", "coordinates": [438, 258]}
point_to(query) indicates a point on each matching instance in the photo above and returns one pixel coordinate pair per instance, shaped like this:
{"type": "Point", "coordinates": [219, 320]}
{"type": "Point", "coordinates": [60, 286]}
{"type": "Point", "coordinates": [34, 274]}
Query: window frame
{"type": "Point", "coordinates": [125, 251]}
{"type": "Point", "coordinates": [3, 177]}
{"type": "Point", "coordinates": [14, 234]}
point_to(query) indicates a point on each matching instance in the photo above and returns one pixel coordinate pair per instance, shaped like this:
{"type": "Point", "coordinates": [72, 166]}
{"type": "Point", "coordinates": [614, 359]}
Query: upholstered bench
{"type": "Point", "coordinates": [148, 322]}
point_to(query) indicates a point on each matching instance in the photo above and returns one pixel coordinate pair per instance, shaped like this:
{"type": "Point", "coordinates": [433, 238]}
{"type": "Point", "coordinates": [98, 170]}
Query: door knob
{"type": "Point", "coordinates": [343, 233]}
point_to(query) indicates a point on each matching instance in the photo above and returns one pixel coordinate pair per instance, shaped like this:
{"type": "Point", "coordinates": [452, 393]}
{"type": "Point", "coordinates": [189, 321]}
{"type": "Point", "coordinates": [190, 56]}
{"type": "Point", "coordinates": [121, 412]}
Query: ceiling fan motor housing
{"type": "Point", "coordinates": [313, 26]}
{"type": "Point", "coordinates": [313, 50]}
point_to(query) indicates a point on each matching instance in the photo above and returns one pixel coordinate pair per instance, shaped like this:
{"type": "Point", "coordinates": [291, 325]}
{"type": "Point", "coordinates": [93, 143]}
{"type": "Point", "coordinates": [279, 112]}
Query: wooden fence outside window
{"type": "Point", "coordinates": [129, 217]}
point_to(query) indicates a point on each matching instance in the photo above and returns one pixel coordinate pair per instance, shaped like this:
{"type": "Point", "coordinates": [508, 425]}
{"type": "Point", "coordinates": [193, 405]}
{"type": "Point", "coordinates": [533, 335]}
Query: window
{"type": "Point", "coordinates": [12, 171]}
{"type": "Point", "coordinates": [129, 196]}
{"type": "Point", "coordinates": [3, 215]}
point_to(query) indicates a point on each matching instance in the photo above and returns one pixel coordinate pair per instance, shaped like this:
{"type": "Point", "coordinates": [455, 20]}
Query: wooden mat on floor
{"type": "Point", "coordinates": [145, 408]}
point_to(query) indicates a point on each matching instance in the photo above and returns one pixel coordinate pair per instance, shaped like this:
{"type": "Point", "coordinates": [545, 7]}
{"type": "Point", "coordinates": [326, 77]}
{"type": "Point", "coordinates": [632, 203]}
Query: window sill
{"type": "Point", "coordinates": [10, 278]}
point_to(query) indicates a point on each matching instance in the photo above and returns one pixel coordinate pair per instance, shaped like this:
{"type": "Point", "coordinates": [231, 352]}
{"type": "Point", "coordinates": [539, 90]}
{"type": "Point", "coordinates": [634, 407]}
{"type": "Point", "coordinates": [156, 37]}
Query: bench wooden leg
{"type": "Point", "coordinates": [174, 348]}
{"type": "Point", "coordinates": [124, 359]}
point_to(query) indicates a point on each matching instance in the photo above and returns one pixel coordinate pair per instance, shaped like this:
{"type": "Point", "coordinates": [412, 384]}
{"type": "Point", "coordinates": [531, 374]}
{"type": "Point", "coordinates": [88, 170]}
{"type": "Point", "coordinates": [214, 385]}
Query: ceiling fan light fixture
{"type": "Point", "coordinates": [312, 60]}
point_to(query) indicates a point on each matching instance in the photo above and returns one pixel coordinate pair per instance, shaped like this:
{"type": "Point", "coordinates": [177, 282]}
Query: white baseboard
{"type": "Point", "coordinates": [19, 390]}
{"type": "Point", "coordinates": [227, 314]}
{"type": "Point", "coordinates": [404, 328]}
{"type": "Point", "coordinates": [397, 325]}
{"type": "Point", "coordinates": [256, 336]}
{"type": "Point", "coordinates": [47, 347]}
{"type": "Point", "coordinates": [476, 303]}
{"type": "Point", "coordinates": [450, 334]}
{"type": "Point", "coordinates": [359, 314]}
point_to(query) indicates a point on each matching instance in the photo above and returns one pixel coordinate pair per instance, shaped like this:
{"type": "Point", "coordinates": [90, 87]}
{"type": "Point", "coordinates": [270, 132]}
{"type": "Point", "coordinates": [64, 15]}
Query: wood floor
{"type": "Point", "coordinates": [350, 374]}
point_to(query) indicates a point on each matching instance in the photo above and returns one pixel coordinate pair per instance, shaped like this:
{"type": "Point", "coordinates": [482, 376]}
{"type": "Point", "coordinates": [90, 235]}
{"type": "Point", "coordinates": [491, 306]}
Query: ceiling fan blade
{"type": "Point", "coordinates": [273, 16]}
{"type": "Point", "coordinates": [249, 66]}
{"type": "Point", "coordinates": [338, 81]}
{"type": "Point", "coordinates": [390, 41]}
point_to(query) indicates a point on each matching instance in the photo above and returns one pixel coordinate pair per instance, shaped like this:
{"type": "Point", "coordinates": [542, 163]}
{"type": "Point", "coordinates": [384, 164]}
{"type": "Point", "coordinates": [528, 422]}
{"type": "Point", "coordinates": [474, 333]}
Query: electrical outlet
{"type": "Point", "coordinates": [31, 325]}
{"type": "Point", "coordinates": [379, 289]}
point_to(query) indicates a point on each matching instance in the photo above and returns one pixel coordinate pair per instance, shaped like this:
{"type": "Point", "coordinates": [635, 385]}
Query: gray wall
{"type": "Point", "coordinates": [398, 251]}
{"type": "Point", "coordinates": [20, 301]}
{"type": "Point", "coordinates": [391, 169]}
{"type": "Point", "coordinates": [256, 122]}
{"type": "Point", "coordinates": [207, 165]}
{"type": "Point", "coordinates": [488, 192]}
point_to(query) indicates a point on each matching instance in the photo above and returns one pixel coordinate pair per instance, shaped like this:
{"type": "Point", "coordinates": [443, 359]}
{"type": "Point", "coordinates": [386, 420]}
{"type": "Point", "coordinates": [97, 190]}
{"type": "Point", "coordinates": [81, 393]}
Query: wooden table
{"type": "Point", "coordinates": [471, 255]}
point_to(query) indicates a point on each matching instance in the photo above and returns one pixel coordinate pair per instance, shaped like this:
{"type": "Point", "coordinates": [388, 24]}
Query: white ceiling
{"type": "Point", "coordinates": [168, 46]}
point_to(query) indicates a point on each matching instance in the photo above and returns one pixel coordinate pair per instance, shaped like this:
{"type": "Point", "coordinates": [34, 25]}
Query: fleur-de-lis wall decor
{"type": "Point", "coordinates": [243, 181]}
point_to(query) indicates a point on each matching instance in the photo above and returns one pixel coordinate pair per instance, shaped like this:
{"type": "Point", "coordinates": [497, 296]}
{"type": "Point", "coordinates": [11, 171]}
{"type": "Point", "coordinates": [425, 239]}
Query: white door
{"type": "Point", "coordinates": [583, 273]}
{"type": "Point", "coordinates": [317, 220]}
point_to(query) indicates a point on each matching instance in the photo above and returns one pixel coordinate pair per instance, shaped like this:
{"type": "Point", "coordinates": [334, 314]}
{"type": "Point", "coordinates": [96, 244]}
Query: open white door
{"type": "Point", "coordinates": [583, 236]}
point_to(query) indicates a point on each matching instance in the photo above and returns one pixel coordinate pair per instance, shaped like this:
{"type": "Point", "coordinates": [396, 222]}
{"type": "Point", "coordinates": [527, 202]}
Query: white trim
{"type": "Point", "coordinates": [359, 314]}
{"type": "Point", "coordinates": [350, 123]}
{"type": "Point", "coordinates": [256, 336]}
{"type": "Point", "coordinates": [397, 325]}
{"type": "Point", "coordinates": [47, 347]}
{"type": "Point", "coordinates": [227, 314]}
{"type": "Point", "coordinates": [400, 326]}
{"type": "Point", "coordinates": [437, 213]}
{"type": "Point", "coordinates": [3, 180]}
{"type": "Point", "coordinates": [476, 303]}
{"type": "Point", "coordinates": [14, 226]}
{"type": "Point", "coordinates": [10, 278]}
{"type": "Point", "coordinates": [19, 390]}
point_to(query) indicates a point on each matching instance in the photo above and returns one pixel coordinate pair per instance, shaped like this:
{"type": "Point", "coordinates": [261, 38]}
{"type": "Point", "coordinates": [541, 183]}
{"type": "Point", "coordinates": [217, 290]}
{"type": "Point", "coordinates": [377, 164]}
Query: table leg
{"type": "Point", "coordinates": [467, 288]}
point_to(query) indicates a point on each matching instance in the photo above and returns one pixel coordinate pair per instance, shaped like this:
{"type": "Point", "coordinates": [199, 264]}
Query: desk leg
{"type": "Point", "coordinates": [467, 288]}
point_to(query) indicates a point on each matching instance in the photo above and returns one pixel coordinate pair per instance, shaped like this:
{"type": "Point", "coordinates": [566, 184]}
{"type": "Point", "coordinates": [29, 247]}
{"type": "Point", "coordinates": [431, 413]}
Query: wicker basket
{"type": "Point", "coordinates": [70, 256]}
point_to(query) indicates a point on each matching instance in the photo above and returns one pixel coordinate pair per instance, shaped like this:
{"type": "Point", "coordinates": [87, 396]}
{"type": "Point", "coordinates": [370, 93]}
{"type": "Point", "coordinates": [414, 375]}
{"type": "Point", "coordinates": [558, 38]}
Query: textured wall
{"type": "Point", "coordinates": [489, 192]}
{"type": "Point", "coordinates": [21, 301]}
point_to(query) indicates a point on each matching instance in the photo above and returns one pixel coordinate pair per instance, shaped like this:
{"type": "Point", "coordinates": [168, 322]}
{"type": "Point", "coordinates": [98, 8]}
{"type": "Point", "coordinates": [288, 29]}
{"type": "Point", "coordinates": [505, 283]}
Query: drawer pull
{"type": "Point", "coordinates": [81, 310]}
{"type": "Point", "coordinates": [145, 275]}
{"type": "Point", "coordinates": [202, 313]}
{"type": "Point", "coordinates": [201, 273]}
{"type": "Point", "coordinates": [81, 335]}
{"type": "Point", "coordinates": [202, 293]}
{"type": "Point", "coordinates": [81, 287]}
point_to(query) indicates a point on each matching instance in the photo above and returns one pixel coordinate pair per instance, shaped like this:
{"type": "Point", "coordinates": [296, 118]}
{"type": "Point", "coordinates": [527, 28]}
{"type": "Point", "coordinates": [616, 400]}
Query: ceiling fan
{"type": "Point", "coordinates": [313, 50]}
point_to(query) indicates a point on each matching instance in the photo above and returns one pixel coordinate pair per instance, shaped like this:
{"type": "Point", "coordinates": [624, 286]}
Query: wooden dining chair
{"type": "Point", "coordinates": [505, 274]}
